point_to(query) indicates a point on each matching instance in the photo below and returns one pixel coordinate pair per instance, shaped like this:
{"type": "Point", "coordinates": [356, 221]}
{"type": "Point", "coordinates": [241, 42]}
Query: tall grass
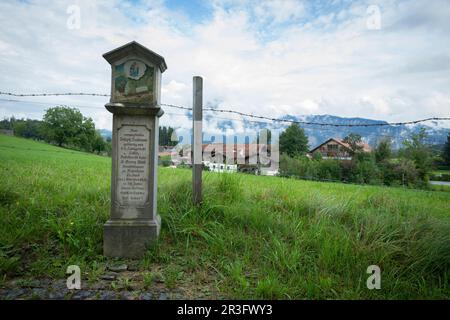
{"type": "Point", "coordinates": [253, 237]}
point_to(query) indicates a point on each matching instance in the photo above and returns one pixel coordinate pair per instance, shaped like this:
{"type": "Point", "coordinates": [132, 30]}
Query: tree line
{"type": "Point", "coordinates": [67, 127]}
{"type": "Point", "coordinates": [165, 136]}
{"type": "Point", "coordinates": [411, 165]}
{"type": "Point", "coordinates": [62, 126]}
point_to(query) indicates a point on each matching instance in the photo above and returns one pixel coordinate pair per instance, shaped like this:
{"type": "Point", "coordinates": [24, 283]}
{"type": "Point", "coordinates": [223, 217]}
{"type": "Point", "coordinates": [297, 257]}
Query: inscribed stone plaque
{"type": "Point", "coordinates": [133, 165]}
{"type": "Point", "coordinates": [133, 82]}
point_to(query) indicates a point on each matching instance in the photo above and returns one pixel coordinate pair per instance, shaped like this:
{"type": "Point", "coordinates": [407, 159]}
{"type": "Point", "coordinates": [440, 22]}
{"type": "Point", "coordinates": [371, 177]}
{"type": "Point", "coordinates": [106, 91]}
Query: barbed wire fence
{"type": "Point", "coordinates": [230, 111]}
{"type": "Point", "coordinates": [247, 117]}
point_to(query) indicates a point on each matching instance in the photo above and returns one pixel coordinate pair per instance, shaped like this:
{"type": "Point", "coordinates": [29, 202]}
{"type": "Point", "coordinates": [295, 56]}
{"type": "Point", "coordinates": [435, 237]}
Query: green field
{"type": "Point", "coordinates": [254, 237]}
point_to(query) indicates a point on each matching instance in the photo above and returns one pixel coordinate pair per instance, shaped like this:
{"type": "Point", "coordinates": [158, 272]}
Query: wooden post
{"type": "Point", "coordinates": [197, 143]}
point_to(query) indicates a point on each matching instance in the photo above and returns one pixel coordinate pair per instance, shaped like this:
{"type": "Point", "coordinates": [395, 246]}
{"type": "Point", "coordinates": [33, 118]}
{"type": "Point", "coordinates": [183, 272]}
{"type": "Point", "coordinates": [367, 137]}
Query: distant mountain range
{"type": "Point", "coordinates": [318, 134]}
{"type": "Point", "coordinates": [105, 133]}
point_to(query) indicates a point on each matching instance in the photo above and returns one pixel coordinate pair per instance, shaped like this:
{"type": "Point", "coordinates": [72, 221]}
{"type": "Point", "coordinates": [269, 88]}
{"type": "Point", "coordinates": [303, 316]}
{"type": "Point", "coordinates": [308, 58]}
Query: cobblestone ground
{"type": "Point", "coordinates": [122, 285]}
{"type": "Point", "coordinates": [57, 290]}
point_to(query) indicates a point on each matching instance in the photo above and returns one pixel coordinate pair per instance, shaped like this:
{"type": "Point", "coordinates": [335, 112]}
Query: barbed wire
{"type": "Point", "coordinates": [53, 103]}
{"type": "Point", "coordinates": [176, 107]}
{"type": "Point", "coordinates": [54, 94]}
{"type": "Point", "coordinates": [243, 114]}
{"type": "Point", "coordinates": [168, 113]}
{"type": "Point", "coordinates": [103, 109]}
{"type": "Point", "coordinates": [378, 124]}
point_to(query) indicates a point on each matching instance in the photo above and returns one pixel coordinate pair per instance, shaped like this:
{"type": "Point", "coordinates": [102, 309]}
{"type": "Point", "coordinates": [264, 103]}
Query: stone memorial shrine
{"type": "Point", "coordinates": [135, 105]}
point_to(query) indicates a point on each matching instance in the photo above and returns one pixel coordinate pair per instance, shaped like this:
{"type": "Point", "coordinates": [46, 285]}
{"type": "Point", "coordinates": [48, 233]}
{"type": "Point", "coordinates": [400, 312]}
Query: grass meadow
{"type": "Point", "coordinates": [253, 237]}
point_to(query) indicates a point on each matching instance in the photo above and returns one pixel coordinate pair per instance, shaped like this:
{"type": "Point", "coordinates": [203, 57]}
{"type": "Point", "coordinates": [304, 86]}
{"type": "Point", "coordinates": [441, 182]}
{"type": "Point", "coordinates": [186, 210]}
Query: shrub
{"type": "Point", "coordinates": [406, 172]}
{"type": "Point", "coordinates": [367, 171]}
{"type": "Point", "coordinates": [292, 166]}
{"type": "Point", "coordinates": [362, 169]}
{"type": "Point", "coordinates": [329, 169]}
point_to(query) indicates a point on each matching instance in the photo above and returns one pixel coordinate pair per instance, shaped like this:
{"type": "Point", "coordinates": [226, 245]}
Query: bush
{"type": "Point", "coordinates": [317, 169]}
{"type": "Point", "coordinates": [406, 172]}
{"type": "Point", "coordinates": [292, 166]}
{"type": "Point", "coordinates": [329, 169]}
{"type": "Point", "coordinates": [367, 172]}
{"type": "Point", "coordinates": [363, 169]}
{"type": "Point", "coordinates": [388, 174]}
{"type": "Point", "coordinates": [165, 161]}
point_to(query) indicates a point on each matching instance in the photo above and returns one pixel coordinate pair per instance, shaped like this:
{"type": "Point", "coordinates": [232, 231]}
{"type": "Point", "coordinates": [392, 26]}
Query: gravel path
{"type": "Point", "coordinates": [56, 290]}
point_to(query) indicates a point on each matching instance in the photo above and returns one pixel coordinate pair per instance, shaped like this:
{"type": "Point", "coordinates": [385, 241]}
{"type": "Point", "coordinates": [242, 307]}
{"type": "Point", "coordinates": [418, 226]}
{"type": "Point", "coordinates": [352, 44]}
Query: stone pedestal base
{"type": "Point", "coordinates": [129, 238]}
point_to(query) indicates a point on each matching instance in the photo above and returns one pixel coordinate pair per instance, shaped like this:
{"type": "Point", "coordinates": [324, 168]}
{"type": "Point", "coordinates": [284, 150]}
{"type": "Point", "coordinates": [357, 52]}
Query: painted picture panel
{"type": "Point", "coordinates": [133, 82]}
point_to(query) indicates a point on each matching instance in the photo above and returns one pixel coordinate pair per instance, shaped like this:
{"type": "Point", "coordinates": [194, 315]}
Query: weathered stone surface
{"type": "Point", "coordinates": [118, 267]}
{"type": "Point", "coordinates": [129, 239]}
{"type": "Point", "coordinates": [107, 295]}
{"type": "Point", "coordinates": [82, 295]}
{"type": "Point", "coordinates": [55, 289]}
{"type": "Point", "coordinates": [38, 293]}
{"type": "Point", "coordinates": [56, 295]}
{"type": "Point", "coordinates": [133, 267]}
{"type": "Point", "coordinates": [127, 295]}
{"type": "Point", "coordinates": [146, 296]}
{"type": "Point", "coordinates": [135, 96]}
{"type": "Point", "coordinates": [101, 285]}
{"type": "Point", "coordinates": [133, 167]}
{"type": "Point", "coordinates": [136, 74]}
{"type": "Point", "coordinates": [15, 294]}
{"type": "Point", "coordinates": [162, 296]}
{"type": "Point", "coordinates": [109, 276]}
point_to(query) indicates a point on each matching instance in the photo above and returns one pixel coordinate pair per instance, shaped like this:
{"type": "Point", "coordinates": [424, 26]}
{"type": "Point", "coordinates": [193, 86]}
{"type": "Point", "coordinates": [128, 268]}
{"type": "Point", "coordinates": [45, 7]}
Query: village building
{"type": "Point", "coordinates": [165, 151]}
{"type": "Point", "coordinates": [220, 167]}
{"type": "Point", "coordinates": [219, 157]}
{"type": "Point", "coordinates": [335, 148]}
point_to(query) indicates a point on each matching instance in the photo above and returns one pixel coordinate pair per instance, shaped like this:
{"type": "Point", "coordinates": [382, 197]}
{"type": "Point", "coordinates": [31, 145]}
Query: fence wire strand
{"type": "Point", "coordinates": [230, 111]}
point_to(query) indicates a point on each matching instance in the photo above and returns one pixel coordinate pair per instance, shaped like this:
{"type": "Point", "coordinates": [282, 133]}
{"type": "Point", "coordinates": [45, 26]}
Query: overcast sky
{"type": "Point", "coordinates": [265, 57]}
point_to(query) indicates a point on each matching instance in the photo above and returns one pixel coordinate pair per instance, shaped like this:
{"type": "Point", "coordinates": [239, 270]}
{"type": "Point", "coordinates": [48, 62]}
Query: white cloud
{"type": "Point", "coordinates": [279, 11]}
{"type": "Point", "coordinates": [313, 62]}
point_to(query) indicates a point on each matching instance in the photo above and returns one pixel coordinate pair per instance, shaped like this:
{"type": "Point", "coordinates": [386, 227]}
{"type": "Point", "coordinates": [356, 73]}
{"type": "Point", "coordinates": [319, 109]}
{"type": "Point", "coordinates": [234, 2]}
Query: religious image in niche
{"type": "Point", "coordinates": [133, 82]}
{"type": "Point", "coordinates": [134, 70]}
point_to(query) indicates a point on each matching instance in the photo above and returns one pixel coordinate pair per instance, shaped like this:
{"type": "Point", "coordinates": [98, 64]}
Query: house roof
{"type": "Point", "coordinates": [365, 146]}
{"type": "Point", "coordinates": [135, 48]}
